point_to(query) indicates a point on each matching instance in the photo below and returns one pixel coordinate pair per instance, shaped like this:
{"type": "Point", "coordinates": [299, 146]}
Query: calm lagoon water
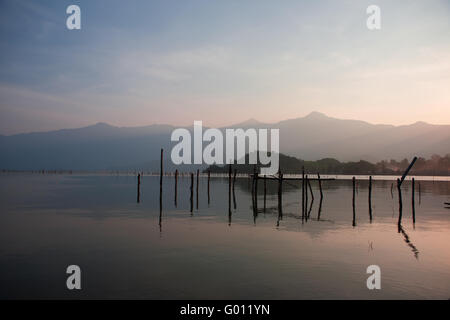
{"type": "Point", "coordinates": [127, 249]}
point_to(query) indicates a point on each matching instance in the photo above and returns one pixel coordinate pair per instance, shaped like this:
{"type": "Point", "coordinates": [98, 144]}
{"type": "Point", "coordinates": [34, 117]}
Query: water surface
{"type": "Point", "coordinates": [138, 250]}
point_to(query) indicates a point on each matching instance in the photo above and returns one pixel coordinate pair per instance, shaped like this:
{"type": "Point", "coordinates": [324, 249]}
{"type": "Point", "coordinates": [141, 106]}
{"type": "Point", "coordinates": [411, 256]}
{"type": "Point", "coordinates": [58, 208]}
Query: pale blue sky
{"type": "Point", "coordinates": [143, 62]}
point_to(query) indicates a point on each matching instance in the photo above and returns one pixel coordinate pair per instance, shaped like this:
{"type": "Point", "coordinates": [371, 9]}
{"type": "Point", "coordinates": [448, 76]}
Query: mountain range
{"type": "Point", "coordinates": [105, 147]}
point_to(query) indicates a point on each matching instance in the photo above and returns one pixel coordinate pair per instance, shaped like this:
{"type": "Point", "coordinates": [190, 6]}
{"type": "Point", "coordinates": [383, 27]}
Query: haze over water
{"type": "Point", "coordinates": [126, 250]}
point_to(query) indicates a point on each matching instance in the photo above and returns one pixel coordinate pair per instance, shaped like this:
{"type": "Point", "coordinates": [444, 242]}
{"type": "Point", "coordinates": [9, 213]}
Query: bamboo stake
{"type": "Point", "coordinates": [234, 194]}
{"type": "Point", "coordinates": [160, 190]}
{"type": "Point", "coordinates": [139, 188]}
{"type": "Point", "coordinates": [256, 191]}
{"type": "Point", "coordinates": [192, 192]}
{"type": "Point", "coordinates": [321, 197]}
{"type": "Point", "coordinates": [353, 201]}
{"type": "Point", "coordinates": [370, 198]}
{"type": "Point", "coordinates": [407, 170]}
{"type": "Point", "coordinates": [303, 192]}
{"type": "Point", "coordinates": [306, 197]}
{"type": "Point", "coordinates": [198, 172]}
{"type": "Point", "coordinates": [280, 195]}
{"type": "Point", "coordinates": [400, 203]}
{"type": "Point", "coordinates": [413, 201]}
{"type": "Point", "coordinates": [320, 185]}
{"type": "Point", "coordinates": [161, 171]}
{"type": "Point", "coordinates": [265, 191]}
{"type": "Point", "coordinates": [310, 190]}
{"type": "Point", "coordinates": [209, 178]}
{"type": "Point", "coordinates": [229, 194]}
{"type": "Point", "coordinates": [176, 186]}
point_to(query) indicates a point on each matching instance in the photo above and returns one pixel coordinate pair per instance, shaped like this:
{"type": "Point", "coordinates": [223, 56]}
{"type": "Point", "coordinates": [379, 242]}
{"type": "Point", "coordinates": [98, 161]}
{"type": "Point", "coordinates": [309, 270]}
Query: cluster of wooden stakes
{"type": "Point", "coordinates": [305, 183]}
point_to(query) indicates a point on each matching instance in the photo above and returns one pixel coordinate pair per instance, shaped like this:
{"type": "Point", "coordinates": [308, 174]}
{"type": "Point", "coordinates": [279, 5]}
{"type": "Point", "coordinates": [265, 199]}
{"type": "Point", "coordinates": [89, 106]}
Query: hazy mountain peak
{"type": "Point", "coordinates": [99, 127]}
{"type": "Point", "coordinates": [316, 115]}
{"type": "Point", "coordinates": [102, 125]}
{"type": "Point", "coordinates": [252, 122]}
{"type": "Point", "coordinates": [420, 123]}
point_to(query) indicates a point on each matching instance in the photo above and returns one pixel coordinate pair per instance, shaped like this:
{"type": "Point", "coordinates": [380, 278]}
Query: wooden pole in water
{"type": "Point", "coordinates": [229, 192]}
{"type": "Point", "coordinates": [192, 192]}
{"type": "Point", "coordinates": [400, 203]}
{"type": "Point", "coordinates": [310, 190]}
{"type": "Point", "coordinates": [320, 186]}
{"type": "Point", "coordinates": [407, 170]}
{"type": "Point", "coordinates": [370, 198]}
{"type": "Point", "coordinates": [310, 208]}
{"type": "Point", "coordinates": [306, 196]}
{"type": "Point", "coordinates": [198, 173]}
{"type": "Point", "coordinates": [399, 184]}
{"type": "Point", "coordinates": [160, 201]}
{"type": "Point", "coordinates": [265, 191]}
{"type": "Point", "coordinates": [139, 188]}
{"type": "Point", "coordinates": [160, 186]}
{"type": "Point", "coordinates": [209, 178]}
{"type": "Point", "coordinates": [161, 172]}
{"type": "Point", "coordinates": [321, 196]}
{"type": "Point", "coordinates": [256, 190]}
{"type": "Point", "coordinates": [176, 186]}
{"type": "Point", "coordinates": [253, 193]}
{"type": "Point", "coordinates": [413, 201]}
{"type": "Point", "coordinates": [234, 194]}
{"type": "Point", "coordinates": [280, 194]}
{"type": "Point", "coordinates": [303, 192]}
{"type": "Point", "coordinates": [312, 197]}
{"type": "Point", "coordinates": [353, 201]}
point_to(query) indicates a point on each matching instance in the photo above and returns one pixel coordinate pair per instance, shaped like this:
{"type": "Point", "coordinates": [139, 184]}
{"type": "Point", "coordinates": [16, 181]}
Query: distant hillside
{"type": "Point", "coordinates": [96, 147]}
{"type": "Point", "coordinates": [316, 136]}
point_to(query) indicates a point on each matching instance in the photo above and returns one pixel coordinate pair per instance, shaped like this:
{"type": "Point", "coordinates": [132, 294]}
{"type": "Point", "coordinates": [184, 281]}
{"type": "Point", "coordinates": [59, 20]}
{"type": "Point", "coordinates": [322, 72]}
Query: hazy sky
{"type": "Point", "coordinates": [221, 61]}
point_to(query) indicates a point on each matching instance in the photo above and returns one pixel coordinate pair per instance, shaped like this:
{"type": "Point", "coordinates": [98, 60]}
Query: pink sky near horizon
{"type": "Point", "coordinates": [302, 57]}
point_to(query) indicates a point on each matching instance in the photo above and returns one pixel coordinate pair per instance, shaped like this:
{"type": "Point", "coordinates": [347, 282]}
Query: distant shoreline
{"type": "Point", "coordinates": [380, 177]}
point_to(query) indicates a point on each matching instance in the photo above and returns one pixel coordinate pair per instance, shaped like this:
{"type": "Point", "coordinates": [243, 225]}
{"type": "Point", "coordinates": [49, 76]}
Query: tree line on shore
{"type": "Point", "coordinates": [435, 166]}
